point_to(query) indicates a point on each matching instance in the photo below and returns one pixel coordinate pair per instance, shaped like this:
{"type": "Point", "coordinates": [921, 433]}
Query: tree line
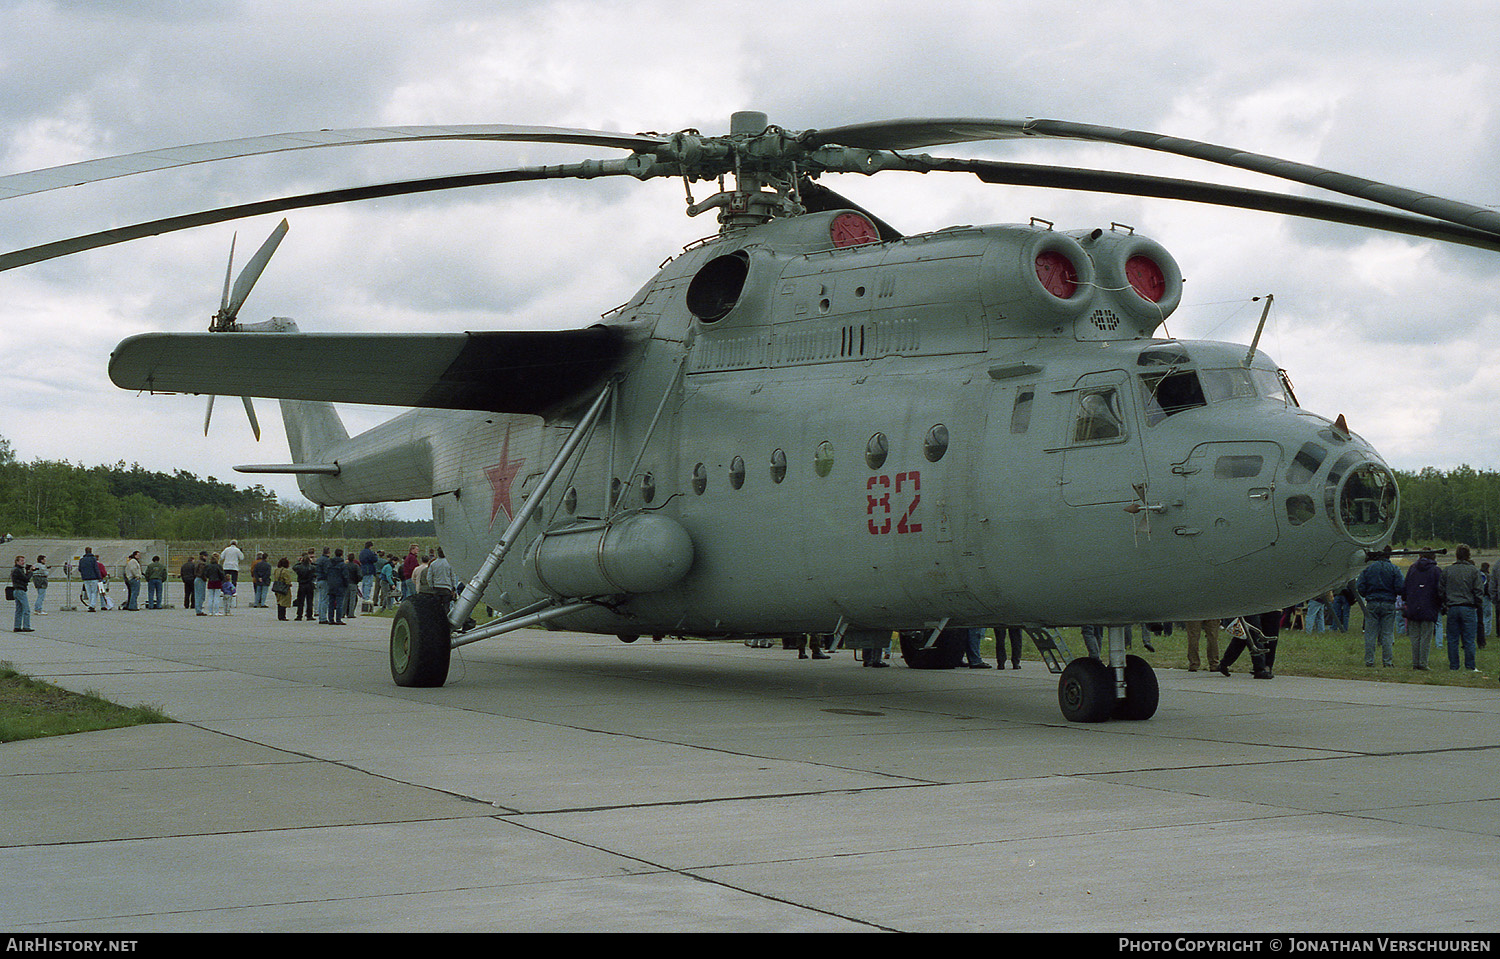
{"type": "Point", "coordinates": [65, 500]}
{"type": "Point", "coordinates": [1460, 505]}
{"type": "Point", "coordinates": [60, 499]}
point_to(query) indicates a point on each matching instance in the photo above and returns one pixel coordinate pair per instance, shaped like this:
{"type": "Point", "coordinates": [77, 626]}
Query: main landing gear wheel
{"type": "Point", "coordinates": [946, 653]}
{"type": "Point", "coordinates": [420, 647]}
{"type": "Point", "coordinates": [1086, 692]}
{"type": "Point", "coordinates": [1142, 694]}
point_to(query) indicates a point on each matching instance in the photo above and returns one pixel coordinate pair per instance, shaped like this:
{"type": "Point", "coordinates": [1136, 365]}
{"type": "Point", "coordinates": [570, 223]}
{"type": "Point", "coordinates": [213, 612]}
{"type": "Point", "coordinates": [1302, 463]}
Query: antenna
{"type": "Point", "coordinates": [1260, 327]}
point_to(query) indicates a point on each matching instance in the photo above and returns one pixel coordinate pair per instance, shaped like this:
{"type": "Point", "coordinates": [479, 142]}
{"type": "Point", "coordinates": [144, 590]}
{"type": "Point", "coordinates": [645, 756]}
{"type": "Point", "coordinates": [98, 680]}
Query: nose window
{"type": "Point", "coordinates": [1305, 463]}
{"type": "Point", "coordinates": [1367, 503]}
{"type": "Point", "coordinates": [1300, 509]}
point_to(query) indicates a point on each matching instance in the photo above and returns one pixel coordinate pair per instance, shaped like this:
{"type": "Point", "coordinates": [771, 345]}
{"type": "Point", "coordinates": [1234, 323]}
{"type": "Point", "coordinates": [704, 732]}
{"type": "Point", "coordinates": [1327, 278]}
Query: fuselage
{"type": "Point", "coordinates": [976, 425]}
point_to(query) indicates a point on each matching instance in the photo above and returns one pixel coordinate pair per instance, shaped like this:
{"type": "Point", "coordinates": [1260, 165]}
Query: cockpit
{"type": "Point", "coordinates": [1171, 382]}
{"type": "Point", "coordinates": [1329, 471]}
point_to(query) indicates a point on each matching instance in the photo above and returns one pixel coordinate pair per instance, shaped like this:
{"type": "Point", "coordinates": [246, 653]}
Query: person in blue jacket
{"type": "Point", "coordinates": [1380, 584]}
{"type": "Point", "coordinates": [88, 571]}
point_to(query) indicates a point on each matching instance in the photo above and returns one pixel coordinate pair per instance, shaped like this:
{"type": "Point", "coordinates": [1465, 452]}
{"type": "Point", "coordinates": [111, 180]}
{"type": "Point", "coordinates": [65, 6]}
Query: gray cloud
{"type": "Point", "coordinates": [1383, 90]}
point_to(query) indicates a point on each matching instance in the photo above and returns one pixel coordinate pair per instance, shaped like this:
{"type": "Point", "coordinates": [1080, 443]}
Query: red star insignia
{"type": "Point", "coordinates": [501, 476]}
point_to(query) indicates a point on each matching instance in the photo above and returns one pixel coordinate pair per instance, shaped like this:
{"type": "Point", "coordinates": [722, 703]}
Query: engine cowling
{"type": "Point", "coordinates": [1140, 284]}
{"type": "Point", "coordinates": [1038, 281]}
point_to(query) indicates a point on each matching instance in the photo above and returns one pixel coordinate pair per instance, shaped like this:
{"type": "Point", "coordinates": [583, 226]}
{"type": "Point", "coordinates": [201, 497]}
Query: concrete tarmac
{"type": "Point", "coordinates": [563, 782]}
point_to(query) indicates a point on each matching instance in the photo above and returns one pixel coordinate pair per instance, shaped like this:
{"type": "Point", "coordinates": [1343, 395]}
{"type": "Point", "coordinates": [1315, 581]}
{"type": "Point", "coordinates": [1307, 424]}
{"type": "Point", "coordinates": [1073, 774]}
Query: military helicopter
{"type": "Point", "coordinates": [808, 423]}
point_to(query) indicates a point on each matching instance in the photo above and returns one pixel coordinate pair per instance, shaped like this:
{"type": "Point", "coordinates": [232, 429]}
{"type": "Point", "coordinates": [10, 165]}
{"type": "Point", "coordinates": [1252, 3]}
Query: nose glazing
{"type": "Point", "coordinates": [1361, 498]}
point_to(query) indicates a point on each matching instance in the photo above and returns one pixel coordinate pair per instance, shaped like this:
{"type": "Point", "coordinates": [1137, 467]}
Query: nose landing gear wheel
{"type": "Point", "coordinates": [1142, 694]}
{"type": "Point", "coordinates": [1086, 691]}
{"type": "Point", "coordinates": [420, 647]}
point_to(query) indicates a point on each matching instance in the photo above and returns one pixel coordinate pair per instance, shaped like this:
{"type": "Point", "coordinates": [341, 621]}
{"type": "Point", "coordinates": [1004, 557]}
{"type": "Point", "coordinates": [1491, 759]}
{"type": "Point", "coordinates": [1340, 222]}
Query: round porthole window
{"type": "Point", "coordinates": [737, 472]}
{"type": "Point", "coordinates": [935, 443]}
{"type": "Point", "coordinates": [823, 459]}
{"type": "Point", "coordinates": [876, 451]}
{"type": "Point", "coordinates": [570, 500]}
{"type": "Point", "coordinates": [648, 488]}
{"type": "Point", "coordinates": [700, 479]}
{"type": "Point", "coordinates": [778, 466]}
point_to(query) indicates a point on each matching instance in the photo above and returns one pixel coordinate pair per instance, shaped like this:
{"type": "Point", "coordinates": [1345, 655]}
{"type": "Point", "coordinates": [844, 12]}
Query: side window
{"type": "Point", "coordinates": [1020, 413]}
{"type": "Point", "coordinates": [1099, 416]}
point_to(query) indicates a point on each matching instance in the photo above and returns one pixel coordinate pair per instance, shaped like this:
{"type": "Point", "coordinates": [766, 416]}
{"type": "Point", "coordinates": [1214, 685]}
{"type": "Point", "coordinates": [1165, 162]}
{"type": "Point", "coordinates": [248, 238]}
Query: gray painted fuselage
{"type": "Point", "coordinates": [1034, 469]}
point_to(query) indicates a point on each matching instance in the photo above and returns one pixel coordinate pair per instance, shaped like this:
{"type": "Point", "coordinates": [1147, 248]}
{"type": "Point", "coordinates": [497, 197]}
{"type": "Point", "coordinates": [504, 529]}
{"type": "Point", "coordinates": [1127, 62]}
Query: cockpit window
{"type": "Point", "coordinates": [1231, 384]}
{"type": "Point", "coordinates": [1274, 385]}
{"type": "Point", "coordinates": [1171, 392]}
{"type": "Point", "coordinates": [1100, 417]}
{"type": "Point", "coordinates": [1172, 355]}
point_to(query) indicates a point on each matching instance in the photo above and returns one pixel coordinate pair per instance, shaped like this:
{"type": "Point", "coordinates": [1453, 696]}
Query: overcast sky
{"type": "Point", "coordinates": [1400, 335]}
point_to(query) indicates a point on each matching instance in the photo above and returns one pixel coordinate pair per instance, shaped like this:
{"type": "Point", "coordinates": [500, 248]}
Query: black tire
{"type": "Point", "coordinates": [627, 637]}
{"type": "Point", "coordinates": [946, 653]}
{"type": "Point", "coordinates": [420, 638]}
{"type": "Point", "coordinates": [1086, 691]}
{"type": "Point", "coordinates": [1142, 694]}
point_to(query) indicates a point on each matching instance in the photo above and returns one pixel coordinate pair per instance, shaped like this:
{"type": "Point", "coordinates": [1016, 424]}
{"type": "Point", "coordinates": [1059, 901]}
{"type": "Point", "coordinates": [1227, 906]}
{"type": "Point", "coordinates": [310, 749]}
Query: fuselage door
{"type": "Point", "coordinates": [1228, 498]}
{"type": "Point", "coordinates": [1102, 457]}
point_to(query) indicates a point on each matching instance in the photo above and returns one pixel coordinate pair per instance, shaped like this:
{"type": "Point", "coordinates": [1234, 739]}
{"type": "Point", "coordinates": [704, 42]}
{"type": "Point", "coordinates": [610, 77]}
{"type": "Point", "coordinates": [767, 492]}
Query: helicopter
{"type": "Point", "coordinates": [809, 423]}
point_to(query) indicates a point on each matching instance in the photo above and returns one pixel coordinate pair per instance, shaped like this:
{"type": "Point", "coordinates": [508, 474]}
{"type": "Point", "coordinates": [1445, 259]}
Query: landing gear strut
{"type": "Point", "coordinates": [1091, 691]}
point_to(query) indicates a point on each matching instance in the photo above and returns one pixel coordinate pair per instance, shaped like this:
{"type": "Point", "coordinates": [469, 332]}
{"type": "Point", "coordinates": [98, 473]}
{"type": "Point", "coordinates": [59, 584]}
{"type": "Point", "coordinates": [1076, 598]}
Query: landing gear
{"type": "Point", "coordinates": [420, 638]}
{"type": "Point", "coordinates": [1142, 694]}
{"type": "Point", "coordinates": [1086, 692]}
{"type": "Point", "coordinates": [1092, 691]}
{"type": "Point", "coordinates": [946, 653]}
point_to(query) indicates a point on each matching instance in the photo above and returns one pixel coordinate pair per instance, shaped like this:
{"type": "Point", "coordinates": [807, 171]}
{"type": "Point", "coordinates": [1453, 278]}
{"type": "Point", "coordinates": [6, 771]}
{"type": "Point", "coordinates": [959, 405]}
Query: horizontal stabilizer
{"type": "Point", "coordinates": [313, 469]}
{"type": "Point", "coordinates": [504, 372]}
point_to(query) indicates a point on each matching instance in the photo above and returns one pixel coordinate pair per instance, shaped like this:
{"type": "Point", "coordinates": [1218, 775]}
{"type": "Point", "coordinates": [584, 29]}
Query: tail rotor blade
{"type": "Point", "coordinates": [229, 307]}
{"type": "Point", "coordinates": [228, 274]}
{"type": "Point", "coordinates": [253, 270]}
{"type": "Point", "coordinates": [250, 412]}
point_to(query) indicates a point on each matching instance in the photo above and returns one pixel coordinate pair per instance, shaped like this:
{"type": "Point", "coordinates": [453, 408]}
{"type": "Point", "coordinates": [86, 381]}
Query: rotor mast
{"type": "Point", "coordinates": [760, 192]}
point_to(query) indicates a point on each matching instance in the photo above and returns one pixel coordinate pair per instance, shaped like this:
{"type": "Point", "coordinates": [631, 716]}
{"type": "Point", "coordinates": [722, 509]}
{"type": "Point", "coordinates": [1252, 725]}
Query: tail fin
{"type": "Point", "coordinates": [312, 428]}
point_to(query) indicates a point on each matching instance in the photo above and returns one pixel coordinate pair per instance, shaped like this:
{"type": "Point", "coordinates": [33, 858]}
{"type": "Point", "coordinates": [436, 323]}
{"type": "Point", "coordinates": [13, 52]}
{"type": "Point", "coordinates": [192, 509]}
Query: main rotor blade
{"type": "Point", "coordinates": [106, 168]}
{"type": "Point", "coordinates": [1131, 184]}
{"type": "Point", "coordinates": [250, 274]}
{"type": "Point", "coordinates": [46, 251]}
{"type": "Point", "coordinates": [913, 133]}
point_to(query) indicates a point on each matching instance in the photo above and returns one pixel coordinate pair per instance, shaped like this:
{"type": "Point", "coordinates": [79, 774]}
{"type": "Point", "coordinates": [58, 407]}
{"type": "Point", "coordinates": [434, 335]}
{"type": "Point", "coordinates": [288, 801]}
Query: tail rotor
{"type": "Point", "coordinates": [235, 294]}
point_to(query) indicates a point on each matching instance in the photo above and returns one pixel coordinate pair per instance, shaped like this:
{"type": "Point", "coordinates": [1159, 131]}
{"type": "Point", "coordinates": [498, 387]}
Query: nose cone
{"type": "Point", "coordinates": [1340, 499]}
{"type": "Point", "coordinates": [1365, 499]}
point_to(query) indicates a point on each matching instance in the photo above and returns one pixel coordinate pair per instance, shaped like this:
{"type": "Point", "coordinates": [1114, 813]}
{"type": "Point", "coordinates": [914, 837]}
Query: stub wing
{"type": "Point", "coordinates": [538, 372]}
